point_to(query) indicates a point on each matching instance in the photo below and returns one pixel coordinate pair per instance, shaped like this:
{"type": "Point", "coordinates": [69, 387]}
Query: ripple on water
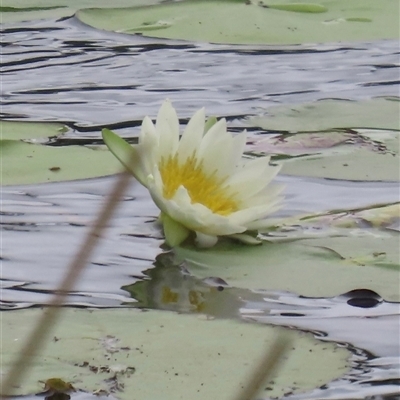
{"type": "Point", "coordinates": [112, 78]}
{"type": "Point", "coordinates": [49, 222]}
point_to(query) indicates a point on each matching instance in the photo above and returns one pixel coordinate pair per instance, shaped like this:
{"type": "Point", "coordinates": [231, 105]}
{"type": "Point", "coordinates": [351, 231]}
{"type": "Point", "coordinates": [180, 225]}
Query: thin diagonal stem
{"type": "Point", "coordinates": [45, 323]}
{"type": "Point", "coordinates": [268, 364]}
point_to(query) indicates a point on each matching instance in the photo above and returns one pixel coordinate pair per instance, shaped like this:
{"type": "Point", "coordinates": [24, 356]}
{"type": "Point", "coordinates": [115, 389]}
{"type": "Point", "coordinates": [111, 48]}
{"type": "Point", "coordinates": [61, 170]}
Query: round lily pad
{"type": "Point", "coordinates": [359, 165]}
{"type": "Point", "coordinates": [25, 163]}
{"type": "Point", "coordinates": [328, 114]}
{"type": "Point", "coordinates": [370, 155]}
{"type": "Point", "coordinates": [25, 10]}
{"type": "Point", "coordinates": [15, 130]}
{"type": "Point", "coordinates": [153, 355]}
{"type": "Point", "coordinates": [254, 22]}
{"type": "Point", "coordinates": [322, 267]}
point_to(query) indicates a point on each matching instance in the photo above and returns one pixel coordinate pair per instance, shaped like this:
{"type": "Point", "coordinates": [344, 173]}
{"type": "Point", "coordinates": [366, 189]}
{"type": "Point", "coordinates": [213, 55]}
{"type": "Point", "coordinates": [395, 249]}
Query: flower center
{"type": "Point", "coordinates": [202, 188]}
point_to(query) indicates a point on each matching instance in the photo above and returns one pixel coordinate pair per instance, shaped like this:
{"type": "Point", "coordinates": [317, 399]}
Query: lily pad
{"type": "Point", "coordinates": [389, 140]}
{"type": "Point", "coordinates": [150, 355]}
{"type": "Point", "coordinates": [359, 165]}
{"type": "Point", "coordinates": [322, 267]}
{"type": "Point", "coordinates": [370, 152]}
{"type": "Point", "coordinates": [24, 10]}
{"type": "Point", "coordinates": [327, 114]}
{"type": "Point", "coordinates": [13, 130]}
{"type": "Point", "coordinates": [244, 22]}
{"type": "Point", "coordinates": [25, 163]}
{"type": "Point", "coordinates": [298, 144]}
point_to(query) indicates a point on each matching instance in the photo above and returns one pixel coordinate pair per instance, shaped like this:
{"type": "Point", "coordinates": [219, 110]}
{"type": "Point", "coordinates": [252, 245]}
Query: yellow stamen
{"type": "Point", "coordinates": [206, 189]}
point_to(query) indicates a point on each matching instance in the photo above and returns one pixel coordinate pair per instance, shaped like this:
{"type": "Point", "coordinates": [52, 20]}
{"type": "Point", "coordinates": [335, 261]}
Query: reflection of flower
{"type": "Point", "coordinates": [200, 182]}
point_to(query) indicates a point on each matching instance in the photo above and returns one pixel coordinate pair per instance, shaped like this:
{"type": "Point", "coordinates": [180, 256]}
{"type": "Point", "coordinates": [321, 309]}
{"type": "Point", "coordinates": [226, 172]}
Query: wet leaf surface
{"type": "Point", "coordinates": [24, 10]}
{"type": "Point", "coordinates": [152, 354]}
{"type": "Point", "coordinates": [275, 23]}
{"type": "Point", "coordinates": [12, 130]}
{"type": "Point", "coordinates": [319, 267]}
{"type": "Point", "coordinates": [327, 114]}
{"type": "Point", "coordinates": [364, 149]}
{"type": "Point", "coordinates": [25, 163]}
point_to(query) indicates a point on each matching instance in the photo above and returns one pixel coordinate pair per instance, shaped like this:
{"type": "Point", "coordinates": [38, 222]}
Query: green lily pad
{"type": "Point", "coordinates": [298, 144]}
{"type": "Point", "coordinates": [25, 163]}
{"type": "Point", "coordinates": [244, 22]}
{"type": "Point", "coordinates": [378, 113]}
{"type": "Point", "coordinates": [12, 130]}
{"type": "Point", "coordinates": [360, 165]}
{"type": "Point", "coordinates": [369, 153]}
{"type": "Point", "coordinates": [322, 267]}
{"type": "Point", "coordinates": [387, 139]}
{"type": "Point", "coordinates": [150, 355]}
{"type": "Point", "coordinates": [26, 10]}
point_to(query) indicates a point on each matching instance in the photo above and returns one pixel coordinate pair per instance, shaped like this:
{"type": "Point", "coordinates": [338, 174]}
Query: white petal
{"type": "Point", "coordinates": [252, 178]}
{"type": "Point", "coordinates": [205, 241]}
{"type": "Point", "coordinates": [219, 151]}
{"type": "Point", "coordinates": [269, 194]}
{"type": "Point", "coordinates": [210, 137]}
{"type": "Point", "coordinates": [147, 130]}
{"type": "Point", "coordinates": [167, 127]}
{"type": "Point", "coordinates": [148, 145]}
{"type": "Point", "coordinates": [217, 159]}
{"type": "Point", "coordinates": [238, 146]}
{"type": "Point", "coordinates": [192, 136]}
{"type": "Point", "coordinates": [197, 217]}
{"type": "Point", "coordinates": [155, 187]}
{"type": "Point", "coordinates": [248, 215]}
{"type": "Point", "coordinates": [233, 153]}
{"type": "Point", "coordinates": [264, 223]}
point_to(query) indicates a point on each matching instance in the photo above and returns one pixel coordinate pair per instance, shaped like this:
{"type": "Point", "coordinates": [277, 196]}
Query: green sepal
{"type": "Point", "coordinates": [128, 155]}
{"type": "Point", "coordinates": [210, 123]}
{"type": "Point", "coordinates": [175, 233]}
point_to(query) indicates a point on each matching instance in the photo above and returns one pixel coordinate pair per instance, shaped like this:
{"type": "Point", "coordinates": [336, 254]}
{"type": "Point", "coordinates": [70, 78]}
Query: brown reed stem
{"type": "Point", "coordinates": [45, 323]}
{"type": "Point", "coordinates": [268, 364]}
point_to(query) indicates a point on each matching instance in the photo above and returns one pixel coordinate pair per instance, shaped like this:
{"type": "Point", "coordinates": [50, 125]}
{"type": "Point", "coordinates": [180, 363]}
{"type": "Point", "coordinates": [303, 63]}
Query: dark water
{"type": "Point", "coordinates": [67, 72]}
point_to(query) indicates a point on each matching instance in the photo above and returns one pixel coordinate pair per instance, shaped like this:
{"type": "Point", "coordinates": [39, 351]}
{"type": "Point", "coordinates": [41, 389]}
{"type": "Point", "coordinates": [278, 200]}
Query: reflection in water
{"type": "Point", "coordinates": [357, 319]}
{"type": "Point", "coordinates": [58, 396]}
{"type": "Point", "coordinates": [171, 287]}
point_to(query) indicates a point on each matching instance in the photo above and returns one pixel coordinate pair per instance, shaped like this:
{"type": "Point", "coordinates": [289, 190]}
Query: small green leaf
{"type": "Point", "coordinates": [175, 233]}
{"type": "Point", "coordinates": [128, 155]}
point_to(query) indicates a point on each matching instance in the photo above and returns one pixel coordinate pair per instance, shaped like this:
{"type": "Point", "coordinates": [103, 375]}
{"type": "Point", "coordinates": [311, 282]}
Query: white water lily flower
{"type": "Point", "coordinates": [200, 182]}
